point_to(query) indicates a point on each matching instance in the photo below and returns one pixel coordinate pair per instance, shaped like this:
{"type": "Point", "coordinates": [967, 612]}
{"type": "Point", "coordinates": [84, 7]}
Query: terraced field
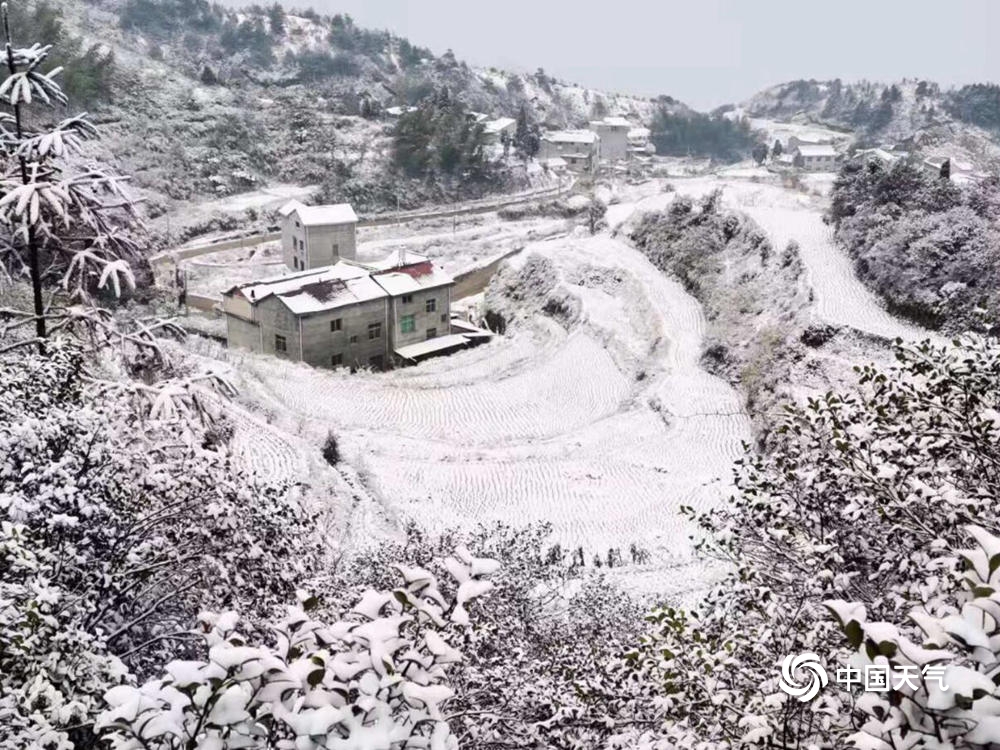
{"type": "Point", "coordinates": [600, 420]}
{"type": "Point", "coordinates": [602, 424]}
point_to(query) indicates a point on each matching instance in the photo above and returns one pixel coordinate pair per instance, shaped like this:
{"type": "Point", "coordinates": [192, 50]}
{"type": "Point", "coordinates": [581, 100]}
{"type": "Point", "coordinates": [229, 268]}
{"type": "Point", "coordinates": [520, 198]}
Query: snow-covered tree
{"type": "Point", "coordinates": [117, 528]}
{"type": "Point", "coordinates": [65, 222]}
{"type": "Point", "coordinates": [377, 678]}
{"type": "Point", "coordinates": [958, 635]}
{"type": "Point", "coordinates": [859, 500]}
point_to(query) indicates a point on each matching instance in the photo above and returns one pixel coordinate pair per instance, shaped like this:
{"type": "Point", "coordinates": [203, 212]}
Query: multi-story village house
{"type": "Point", "coordinates": [317, 236]}
{"type": "Point", "coordinates": [580, 149]}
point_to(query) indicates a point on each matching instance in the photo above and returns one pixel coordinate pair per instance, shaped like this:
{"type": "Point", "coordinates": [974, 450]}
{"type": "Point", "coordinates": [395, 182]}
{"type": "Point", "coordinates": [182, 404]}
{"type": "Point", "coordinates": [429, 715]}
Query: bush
{"type": "Point", "coordinates": [930, 248]}
{"type": "Point", "coordinates": [331, 449]}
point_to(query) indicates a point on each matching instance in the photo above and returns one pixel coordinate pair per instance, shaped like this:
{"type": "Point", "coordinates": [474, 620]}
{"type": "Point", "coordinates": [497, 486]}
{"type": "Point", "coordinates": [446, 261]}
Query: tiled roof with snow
{"type": "Point", "coordinates": [570, 136]}
{"type": "Point", "coordinates": [401, 272]}
{"type": "Point", "coordinates": [292, 205]}
{"type": "Point", "coordinates": [616, 122]}
{"type": "Point", "coordinates": [347, 282]}
{"type": "Point", "coordinates": [331, 291]}
{"type": "Point", "coordinates": [816, 150]}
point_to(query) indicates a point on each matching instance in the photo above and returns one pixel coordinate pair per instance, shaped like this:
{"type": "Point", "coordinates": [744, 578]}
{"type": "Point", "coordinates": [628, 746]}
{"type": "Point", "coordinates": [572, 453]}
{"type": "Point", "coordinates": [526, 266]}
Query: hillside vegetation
{"type": "Point", "coordinates": [200, 100]}
{"type": "Point", "coordinates": [928, 246]}
{"type": "Point", "coordinates": [918, 114]}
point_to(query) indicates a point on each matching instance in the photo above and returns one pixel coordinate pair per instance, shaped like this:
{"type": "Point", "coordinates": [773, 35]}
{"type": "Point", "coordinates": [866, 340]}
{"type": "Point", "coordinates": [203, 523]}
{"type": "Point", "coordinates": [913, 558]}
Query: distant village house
{"type": "Point", "coordinates": [613, 134]}
{"type": "Point", "coordinates": [580, 149]}
{"type": "Point", "coordinates": [815, 158]}
{"type": "Point", "coordinates": [498, 130]}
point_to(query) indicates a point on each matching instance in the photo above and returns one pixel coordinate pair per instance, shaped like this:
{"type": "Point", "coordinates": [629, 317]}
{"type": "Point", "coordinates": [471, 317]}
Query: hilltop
{"type": "Point", "coordinates": [919, 114]}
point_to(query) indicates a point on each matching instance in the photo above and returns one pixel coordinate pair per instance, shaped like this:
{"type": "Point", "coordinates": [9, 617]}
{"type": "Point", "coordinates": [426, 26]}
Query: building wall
{"type": "Point", "coordinates": [291, 253]}
{"type": "Point", "coordinates": [568, 151]}
{"type": "Point", "coordinates": [439, 320]}
{"type": "Point", "coordinates": [237, 304]}
{"type": "Point", "coordinates": [614, 142]}
{"type": "Point", "coordinates": [242, 334]}
{"type": "Point", "coordinates": [313, 247]}
{"type": "Point", "coordinates": [320, 344]}
{"type": "Point", "coordinates": [277, 320]}
{"type": "Point", "coordinates": [818, 163]}
{"type": "Point", "coordinates": [325, 245]}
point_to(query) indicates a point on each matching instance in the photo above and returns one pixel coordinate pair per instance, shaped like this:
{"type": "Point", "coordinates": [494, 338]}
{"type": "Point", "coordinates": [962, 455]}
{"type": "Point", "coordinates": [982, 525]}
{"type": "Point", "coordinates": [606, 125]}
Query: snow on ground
{"type": "Point", "coordinates": [603, 427]}
{"type": "Point", "coordinates": [602, 423]}
{"type": "Point", "coordinates": [782, 131]}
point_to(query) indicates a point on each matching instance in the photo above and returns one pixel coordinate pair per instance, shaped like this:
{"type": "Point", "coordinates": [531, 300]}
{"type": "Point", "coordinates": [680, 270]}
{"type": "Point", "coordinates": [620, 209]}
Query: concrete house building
{"type": "Point", "coordinates": [347, 314]}
{"type": "Point", "coordinates": [613, 132]}
{"type": "Point", "coordinates": [580, 149]}
{"type": "Point", "coordinates": [495, 131]}
{"type": "Point", "coordinates": [799, 140]}
{"type": "Point", "coordinates": [640, 144]}
{"type": "Point", "coordinates": [815, 158]}
{"type": "Point", "coordinates": [317, 236]}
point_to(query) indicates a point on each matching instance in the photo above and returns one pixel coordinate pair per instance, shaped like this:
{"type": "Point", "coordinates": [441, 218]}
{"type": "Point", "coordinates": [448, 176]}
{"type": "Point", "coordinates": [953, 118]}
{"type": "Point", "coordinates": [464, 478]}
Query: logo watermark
{"type": "Point", "coordinates": [803, 676]}
{"type": "Point", "coordinates": [808, 663]}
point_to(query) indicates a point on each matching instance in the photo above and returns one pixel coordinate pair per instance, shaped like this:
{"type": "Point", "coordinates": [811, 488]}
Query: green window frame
{"type": "Point", "coordinates": [407, 324]}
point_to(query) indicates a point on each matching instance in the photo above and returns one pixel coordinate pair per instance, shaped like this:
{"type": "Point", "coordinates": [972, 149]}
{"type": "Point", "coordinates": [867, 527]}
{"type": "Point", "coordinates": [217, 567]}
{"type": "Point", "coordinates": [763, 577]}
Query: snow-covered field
{"type": "Point", "coordinates": [603, 426]}
{"type": "Point", "coordinates": [600, 421]}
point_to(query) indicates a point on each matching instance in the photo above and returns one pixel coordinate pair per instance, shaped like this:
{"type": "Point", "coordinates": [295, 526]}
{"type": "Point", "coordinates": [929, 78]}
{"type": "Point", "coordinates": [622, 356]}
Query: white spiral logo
{"type": "Point", "coordinates": [810, 663]}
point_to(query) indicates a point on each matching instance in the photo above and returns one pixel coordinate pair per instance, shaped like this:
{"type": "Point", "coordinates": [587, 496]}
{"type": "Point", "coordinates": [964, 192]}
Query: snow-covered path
{"type": "Point", "coordinates": [840, 298]}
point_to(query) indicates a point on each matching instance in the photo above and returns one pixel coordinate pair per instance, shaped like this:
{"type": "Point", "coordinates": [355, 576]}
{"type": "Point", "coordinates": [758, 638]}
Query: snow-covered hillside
{"type": "Point", "coordinates": [918, 114]}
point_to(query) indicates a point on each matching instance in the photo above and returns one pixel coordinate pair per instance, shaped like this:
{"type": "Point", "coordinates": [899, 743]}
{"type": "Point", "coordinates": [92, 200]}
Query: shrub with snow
{"type": "Point", "coordinates": [378, 678]}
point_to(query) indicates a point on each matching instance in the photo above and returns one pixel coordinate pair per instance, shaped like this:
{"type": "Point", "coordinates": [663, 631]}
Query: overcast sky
{"type": "Point", "coordinates": [703, 52]}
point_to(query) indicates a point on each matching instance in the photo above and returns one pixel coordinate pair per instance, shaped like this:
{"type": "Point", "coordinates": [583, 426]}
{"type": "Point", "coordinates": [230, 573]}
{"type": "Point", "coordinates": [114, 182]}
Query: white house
{"type": "Point", "coordinates": [348, 314]}
{"type": "Point", "coordinates": [815, 158]}
{"type": "Point", "coordinates": [640, 143]}
{"type": "Point", "coordinates": [496, 130]}
{"type": "Point", "coordinates": [316, 236]}
{"type": "Point", "coordinates": [580, 149]}
{"type": "Point", "coordinates": [613, 132]}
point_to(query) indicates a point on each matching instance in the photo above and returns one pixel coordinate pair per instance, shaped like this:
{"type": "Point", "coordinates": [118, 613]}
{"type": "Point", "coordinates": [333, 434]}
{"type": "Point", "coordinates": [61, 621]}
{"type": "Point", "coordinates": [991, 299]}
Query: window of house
{"type": "Point", "coordinates": [297, 224]}
{"type": "Point", "coordinates": [336, 248]}
{"type": "Point", "coordinates": [374, 331]}
{"type": "Point", "coordinates": [375, 362]}
{"type": "Point", "coordinates": [444, 317]}
{"type": "Point", "coordinates": [336, 324]}
{"type": "Point", "coordinates": [407, 299]}
{"type": "Point", "coordinates": [432, 332]}
{"type": "Point", "coordinates": [295, 263]}
{"type": "Point", "coordinates": [280, 345]}
{"type": "Point", "coordinates": [354, 339]}
{"type": "Point", "coordinates": [431, 305]}
{"type": "Point", "coordinates": [407, 324]}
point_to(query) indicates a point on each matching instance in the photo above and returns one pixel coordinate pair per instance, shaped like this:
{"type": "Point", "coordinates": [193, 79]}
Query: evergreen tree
{"type": "Point", "coordinates": [777, 149]}
{"type": "Point", "coordinates": [276, 20]}
{"type": "Point", "coordinates": [527, 137]}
